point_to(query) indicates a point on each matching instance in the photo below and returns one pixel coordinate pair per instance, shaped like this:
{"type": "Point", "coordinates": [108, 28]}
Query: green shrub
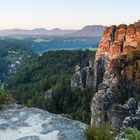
{"type": "Point", "coordinates": [5, 98]}
{"type": "Point", "coordinates": [100, 133]}
{"type": "Point", "coordinates": [29, 103]}
{"type": "Point", "coordinates": [116, 106]}
{"type": "Point", "coordinates": [132, 134]}
{"type": "Point", "coordinates": [1, 92]}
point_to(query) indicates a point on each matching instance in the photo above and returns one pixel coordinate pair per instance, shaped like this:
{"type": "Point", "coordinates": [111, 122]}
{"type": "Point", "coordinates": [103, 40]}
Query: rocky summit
{"type": "Point", "coordinates": [118, 40]}
{"type": "Point", "coordinates": [117, 78]}
{"type": "Point", "coordinates": [22, 123]}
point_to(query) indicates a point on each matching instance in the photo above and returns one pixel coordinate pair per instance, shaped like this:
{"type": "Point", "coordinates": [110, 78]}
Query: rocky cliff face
{"type": "Point", "coordinates": [117, 78]}
{"type": "Point", "coordinates": [118, 40]}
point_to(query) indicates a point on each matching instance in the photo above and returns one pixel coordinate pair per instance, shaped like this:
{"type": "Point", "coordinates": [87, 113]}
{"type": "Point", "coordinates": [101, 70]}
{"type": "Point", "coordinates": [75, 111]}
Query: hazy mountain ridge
{"type": "Point", "coordinates": [41, 31]}
{"type": "Point", "coordinates": [91, 31]}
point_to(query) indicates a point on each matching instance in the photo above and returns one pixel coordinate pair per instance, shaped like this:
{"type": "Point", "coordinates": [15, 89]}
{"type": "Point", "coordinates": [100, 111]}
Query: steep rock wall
{"type": "Point", "coordinates": [117, 77]}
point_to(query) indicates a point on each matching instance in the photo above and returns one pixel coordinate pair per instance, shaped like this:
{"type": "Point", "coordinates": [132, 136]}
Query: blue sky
{"type": "Point", "coordinates": [72, 14]}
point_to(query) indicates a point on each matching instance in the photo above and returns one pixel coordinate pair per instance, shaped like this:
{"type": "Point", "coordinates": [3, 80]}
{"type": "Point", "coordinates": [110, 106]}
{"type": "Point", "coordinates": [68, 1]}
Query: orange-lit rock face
{"type": "Point", "coordinates": [118, 40]}
{"type": "Point", "coordinates": [117, 76]}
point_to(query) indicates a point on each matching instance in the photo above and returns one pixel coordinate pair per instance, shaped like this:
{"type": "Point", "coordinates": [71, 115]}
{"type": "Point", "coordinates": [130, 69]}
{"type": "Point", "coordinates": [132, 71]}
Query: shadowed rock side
{"type": "Point", "coordinates": [117, 78]}
{"type": "Point", "coordinates": [20, 123]}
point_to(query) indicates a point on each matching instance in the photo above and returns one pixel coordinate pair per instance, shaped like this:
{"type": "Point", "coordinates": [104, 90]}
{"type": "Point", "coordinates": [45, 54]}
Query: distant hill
{"type": "Point", "coordinates": [90, 31]}
{"type": "Point", "coordinates": [37, 31]}
{"type": "Point", "coordinates": [58, 31]}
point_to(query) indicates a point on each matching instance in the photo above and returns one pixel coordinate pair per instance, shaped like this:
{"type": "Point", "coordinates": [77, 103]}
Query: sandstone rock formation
{"type": "Point", "coordinates": [49, 100]}
{"type": "Point", "coordinates": [83, 77]}
{"type": "Point", "coordinates": [117, 78]}
{"type": "Point", "coordinates": [20, 123]}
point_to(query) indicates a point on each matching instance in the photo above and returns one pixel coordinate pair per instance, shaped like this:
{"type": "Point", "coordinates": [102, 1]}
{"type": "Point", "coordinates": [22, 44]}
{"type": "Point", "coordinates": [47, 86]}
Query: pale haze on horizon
{"type": "Point", "coordinates": [66, 14]}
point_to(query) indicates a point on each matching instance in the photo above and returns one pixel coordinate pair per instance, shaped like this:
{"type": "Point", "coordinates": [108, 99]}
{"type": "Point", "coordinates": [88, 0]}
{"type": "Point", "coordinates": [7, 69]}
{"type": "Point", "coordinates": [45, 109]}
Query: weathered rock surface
{"type": "Point", "coordinates": [117, 78]}
{"type": "Point", "coordinates": [22, 123]}
{"type": "Point", "coordinates": [118, 40]}
{"type": "Point", "coordinates": [76, 80]}
{"type": "Point", "coordinates": [83, 77]}
{"type": "Point", "coordinates": [49, 100]}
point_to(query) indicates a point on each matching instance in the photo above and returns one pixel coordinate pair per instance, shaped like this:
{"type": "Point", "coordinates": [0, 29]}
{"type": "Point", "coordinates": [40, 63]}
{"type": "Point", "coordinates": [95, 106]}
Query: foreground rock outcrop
{"type": "Point", "coordinates": [117, 78]}
{"type": "Point", "coordinates": [22, 123]}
